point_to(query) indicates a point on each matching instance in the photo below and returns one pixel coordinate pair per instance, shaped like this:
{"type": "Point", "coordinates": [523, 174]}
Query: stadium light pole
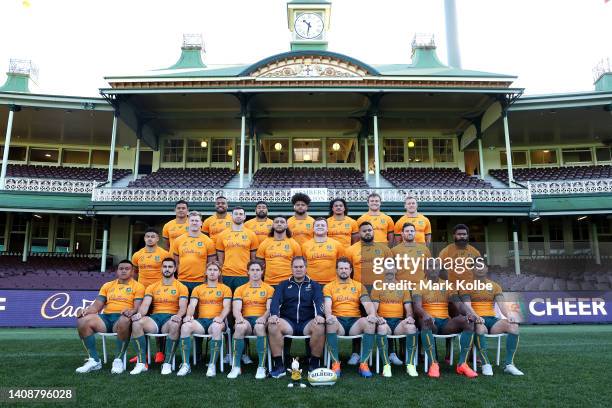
{"type": "Point", "coordinates": [376, 154]}
{"type": "Point", "coordinates": [111, 156]}
{"type": "Point", "coordinates": [7, 144]}
{"type": "Point", "coordinates": [452, 38]}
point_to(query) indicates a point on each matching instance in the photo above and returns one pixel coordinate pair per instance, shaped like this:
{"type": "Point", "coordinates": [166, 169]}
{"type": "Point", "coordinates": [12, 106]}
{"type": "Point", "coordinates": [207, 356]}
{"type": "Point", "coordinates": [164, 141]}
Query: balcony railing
{"type": "Point", "coordinates": [570, 186]}
{"type": "Point", "coordinates": [49, 185]}
{"type": "Point", "coordinates": [449, 195]}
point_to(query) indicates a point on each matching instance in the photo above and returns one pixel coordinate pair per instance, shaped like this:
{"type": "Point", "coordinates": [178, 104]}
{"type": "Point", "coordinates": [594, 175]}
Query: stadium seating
{"type": "Point", "coordinates": [432, 178]}
{"type": "Point", "coordinates": [554, 275]}
{"type": "Point", "coordinates": [63, 173]}
{"type": "Point", "coordinates": [554, 173]}
{"type": "Point", "coordinates": [185, 178]}
{"type": "Point", "coordinates": [53, 272]}
{"type": "Point", "coordinates": [296, 177]}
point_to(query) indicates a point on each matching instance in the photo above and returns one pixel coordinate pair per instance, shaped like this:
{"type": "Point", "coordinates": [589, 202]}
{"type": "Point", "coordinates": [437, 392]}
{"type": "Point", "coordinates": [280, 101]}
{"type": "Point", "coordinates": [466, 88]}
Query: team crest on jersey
{"type": "Point", "coordinates": [157, 258]}
{"type": "Point", "coordinates": [128, 290]}
{"type": "Point", "coordinates": [218, 293]}
{"type": "Point", "coordinates": [382, 221]}
{"type": "Point", "coordinates": [286, 247]}
{"type": "Point", "coordinates": [200, 243]}
{"type": "Point", "coordinates": [353, 289]}
{"type": "Point", "coordinates": [377, 251]}
{"type": "Point", "coordinates": [420, 222]}
{"type": "Point", "coordinates": [329, 247]}
{"type": "Point", "coordinates": [244, 237]}
{"type": "Point", "coordinates": [308, 226]}
{"type": "Point", "coordinates": [262, 293]}
{"type": "Point", "coordinates": [173, 292]}
{"type": "Point", "coordinates": [347, 226]}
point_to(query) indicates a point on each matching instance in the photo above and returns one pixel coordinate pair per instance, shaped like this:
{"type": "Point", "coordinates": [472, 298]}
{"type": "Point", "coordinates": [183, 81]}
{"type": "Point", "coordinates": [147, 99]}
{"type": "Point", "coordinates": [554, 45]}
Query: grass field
{"type": "Point", "coordinates": [564, 366]}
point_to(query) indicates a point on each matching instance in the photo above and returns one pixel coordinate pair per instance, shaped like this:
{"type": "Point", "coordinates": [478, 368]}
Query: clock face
{"type": "Point", "coordinates": [308, 25]}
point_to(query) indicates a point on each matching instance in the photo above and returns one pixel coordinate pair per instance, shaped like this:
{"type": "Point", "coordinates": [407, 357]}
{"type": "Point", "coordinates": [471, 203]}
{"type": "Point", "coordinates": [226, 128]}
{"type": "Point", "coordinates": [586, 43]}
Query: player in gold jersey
{"type": "Point", "coordinates": [219, 221]}
{"type": "Point", "coordinates": [277, 251]}
{"type": "Point", "coordinates": [192, 251]}
{"type": "Point", "coordinates": [301, 224]}
{"type": "Point", "coordinates": [213, 300]}
{"type": "Point", "coordinates": [168, 298]}
{"type": "Point", "coordinates": [321, 253]}
{"type": "Point", "coordinates": [251, 308]}
{"type": "Point", "coordinates": [148, 260]}
{"type": "Point", "coordinates": [416, 255]}
{"type": "Point", "coordinates": [421, 223]}
{"type": "Point", "coordinates": [341, 227]}
{"type": "Point", "coordinates": [383, 224]}
{"type": "Point", "coordinates": [120, 300]}
{"type": "Point", "coordinates": [394, 310]}
{"type": "Point", "coordinates": [261, 224]}
{"type": "Point", "coordinates": [481, 303]}
{"type": "Point", "coordinates": [178, 226]}
{"type": "Point", "coordinates": [342, 299]}
{"type": "Point", "coordinates": [430, 303]}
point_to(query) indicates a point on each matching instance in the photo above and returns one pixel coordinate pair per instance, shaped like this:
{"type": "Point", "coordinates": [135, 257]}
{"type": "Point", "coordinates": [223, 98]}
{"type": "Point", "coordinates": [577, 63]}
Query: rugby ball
{"type": "Point", "coordinates": [322, 376]}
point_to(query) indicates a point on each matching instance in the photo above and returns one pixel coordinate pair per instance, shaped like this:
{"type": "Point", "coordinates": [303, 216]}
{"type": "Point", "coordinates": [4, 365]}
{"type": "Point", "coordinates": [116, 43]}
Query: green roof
{"type": "Point", "coordinates": [309, 2]}
{"type": "Point", "coordinates": [16, 83]}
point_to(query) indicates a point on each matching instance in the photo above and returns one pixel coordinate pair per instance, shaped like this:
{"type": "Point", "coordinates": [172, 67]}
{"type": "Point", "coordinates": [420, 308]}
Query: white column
{"type": "Point", "coordinates": [508, 151]}
{"type": "Point", "coordinates": [7, 143]}
{"type": "Point", "coordinates": [376, 153]}
{"type": "Point", "coordinates": [517, 255]}
{"type": "Point", "coordinates": [111, 156]}
{"type": "Point", "coordinates": [595, 243]}
{"type": "Point", "coordinates": [26, 241]}
{"type": "Point", "coordinates": [104, 249]}
{"type": "Point", "coordinates": [367, 160]}
{"type": "Point", "coordinates": [137, 159]}
{"type": "Point", "coordinates": [481, 159]}
{"type": "Point", "coordinates": [251, 158]}
{"type": "Point", "coordinates": [242, 143]}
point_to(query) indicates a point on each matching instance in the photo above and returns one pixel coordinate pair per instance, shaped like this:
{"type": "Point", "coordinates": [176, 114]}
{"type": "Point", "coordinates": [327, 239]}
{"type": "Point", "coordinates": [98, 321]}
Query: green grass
{"type": "Point", "coordinates": [564, 366]}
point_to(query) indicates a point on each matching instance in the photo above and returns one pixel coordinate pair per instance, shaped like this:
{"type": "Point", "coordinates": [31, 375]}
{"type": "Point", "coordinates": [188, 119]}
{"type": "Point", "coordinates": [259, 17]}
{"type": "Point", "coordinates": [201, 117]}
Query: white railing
{"type": "Point", "coordinates": [49, 185]}
{"type": "Point", "coordinates": [491, 195]}
{"type": "Point", "coordinates": [570, 186]}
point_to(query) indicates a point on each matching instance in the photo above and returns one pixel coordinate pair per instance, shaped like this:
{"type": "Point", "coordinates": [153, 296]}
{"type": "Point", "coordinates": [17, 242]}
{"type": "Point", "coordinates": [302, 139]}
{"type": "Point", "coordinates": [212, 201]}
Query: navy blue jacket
{"type": "Point", "coordinates": [298, 302]}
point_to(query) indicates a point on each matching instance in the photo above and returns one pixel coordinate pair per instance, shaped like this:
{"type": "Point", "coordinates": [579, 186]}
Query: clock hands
{"type": "Point", "coordinates": [308, 24]}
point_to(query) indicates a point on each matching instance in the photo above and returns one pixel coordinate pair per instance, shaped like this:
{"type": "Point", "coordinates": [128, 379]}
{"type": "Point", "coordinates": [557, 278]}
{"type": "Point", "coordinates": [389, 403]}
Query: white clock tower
{"type": "Point", "coordinates": [308, 22]}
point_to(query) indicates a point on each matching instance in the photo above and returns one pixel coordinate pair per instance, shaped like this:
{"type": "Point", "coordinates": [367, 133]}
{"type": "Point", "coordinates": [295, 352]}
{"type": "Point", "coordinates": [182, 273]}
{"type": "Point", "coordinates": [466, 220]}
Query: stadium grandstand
{"type": "Point", "coordinates": [82, 177]}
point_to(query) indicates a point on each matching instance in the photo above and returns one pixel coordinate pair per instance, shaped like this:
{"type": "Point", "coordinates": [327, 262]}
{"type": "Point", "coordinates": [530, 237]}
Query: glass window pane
{"type": "Point", "coordinates": [307, 151]}
{"type": "Point", "coordinates": [75, 156]}
{"type": "Point", "coordinates": [443, 150]}
{"type": "Point", "coordinates": [274, 151]}
{"type": "Point", "coordinates": [577, 156]}
{"type": "Point", "coordinates": [418, 150]}
{"type": "Point", "coordinates": [44, 155]}
{"type": "Point", "coordinates": [173, 151]}
{"type": "Point", "coordinates": [341, 150]}
{"type": "Point", "coordinates": [16, 153]}
{"type": "Point", "coordinates": [603, 154]}
{"type": "Point", "coordinates": [393, 150]}
{"type": "Point", "coordinates": [543, 156]}
{"type": "Point", "coordinates": [518, 158]}
{"type": "Point", "coordinates": [222, 150]}
{"type": "Point", "coordinates": [100, 157]}
{"type": "Point", "coordinates": [197, 151]}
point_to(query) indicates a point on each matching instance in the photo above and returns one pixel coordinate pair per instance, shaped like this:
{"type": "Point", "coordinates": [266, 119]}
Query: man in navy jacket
{"type": "Point", "coordinates": [296, 309]}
